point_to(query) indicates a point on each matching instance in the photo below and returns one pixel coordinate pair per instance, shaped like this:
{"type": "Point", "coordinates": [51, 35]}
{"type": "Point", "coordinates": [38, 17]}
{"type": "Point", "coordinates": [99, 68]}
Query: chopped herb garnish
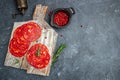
{"type": "Point", "coordinates": [38, 52]}
{"type": "Point", "coordinates": [16, 61]}
{"type": "Point", "coordinates": [57, 53]}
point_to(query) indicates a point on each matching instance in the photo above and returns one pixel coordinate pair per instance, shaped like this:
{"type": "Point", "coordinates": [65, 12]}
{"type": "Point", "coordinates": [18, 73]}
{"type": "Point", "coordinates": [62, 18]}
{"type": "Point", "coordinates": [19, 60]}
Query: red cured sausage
{"type": "Point", "coordinates": [30, 31]}
{"type": "Point", "coordinates": [40, 61]}
{"type": "Point", "coordinates": [18, 49]}
{"type": "Point", "coordinates": [22, 37]}
{"type": "Point", "coordinates": [18, 34]}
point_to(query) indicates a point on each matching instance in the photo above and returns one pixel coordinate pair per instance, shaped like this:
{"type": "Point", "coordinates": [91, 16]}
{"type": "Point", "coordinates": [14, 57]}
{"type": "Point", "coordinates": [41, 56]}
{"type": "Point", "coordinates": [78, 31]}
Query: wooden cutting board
{"type": "Point", "coordinates": [50, 42]}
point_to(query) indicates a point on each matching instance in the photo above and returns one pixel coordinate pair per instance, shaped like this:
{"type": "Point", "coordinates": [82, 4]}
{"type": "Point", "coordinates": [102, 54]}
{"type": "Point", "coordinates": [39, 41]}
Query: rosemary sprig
{"type": "Point", "coordinates": [16, 61]}
{"type": "Point", "coordinates": [38, 52]}
{"type": "Point", "coordinates": [57, 53]}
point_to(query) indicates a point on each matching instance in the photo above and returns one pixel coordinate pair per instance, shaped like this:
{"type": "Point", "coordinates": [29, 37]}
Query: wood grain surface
{"type": "Point", "coordinates": [50, 42]}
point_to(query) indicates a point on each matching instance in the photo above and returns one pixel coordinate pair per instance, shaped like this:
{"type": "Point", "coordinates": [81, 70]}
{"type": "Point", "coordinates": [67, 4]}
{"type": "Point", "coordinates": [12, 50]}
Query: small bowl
{"type": "Point", "coordinates": [69, 11]}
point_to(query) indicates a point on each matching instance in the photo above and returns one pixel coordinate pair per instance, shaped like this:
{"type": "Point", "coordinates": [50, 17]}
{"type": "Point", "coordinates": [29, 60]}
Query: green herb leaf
{"type": "Point", "coordinates": [16, 61]}
{"type": "Point", "coordinates": [53, 62]}
{"type": "Point", "coordinates": [57, 53]}
{"type": "Point", "coordinates": [38, 52]}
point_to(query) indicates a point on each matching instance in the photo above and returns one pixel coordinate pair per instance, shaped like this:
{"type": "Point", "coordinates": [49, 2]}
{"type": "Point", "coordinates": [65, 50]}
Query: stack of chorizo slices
{"type": "Point", "coordinates": [19, 44]}
{"type": "Point", "coordinates": [22, 37]}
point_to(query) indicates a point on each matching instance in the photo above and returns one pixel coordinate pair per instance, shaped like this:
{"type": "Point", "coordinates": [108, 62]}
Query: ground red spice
{"type": "Point", "coordinates": [61, 18]}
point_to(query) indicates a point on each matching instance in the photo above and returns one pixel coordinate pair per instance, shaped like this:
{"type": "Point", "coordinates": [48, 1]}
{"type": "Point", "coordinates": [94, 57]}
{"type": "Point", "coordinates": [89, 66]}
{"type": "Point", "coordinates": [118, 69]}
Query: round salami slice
{"type": "Point", "coordinates": [38, 56]}
{"type": "Point", "coordinates": [30, 31]}
{"type": "Point", "coordinates": [18, 49]}
{"type": "Point", "coordinates": [18, 34]}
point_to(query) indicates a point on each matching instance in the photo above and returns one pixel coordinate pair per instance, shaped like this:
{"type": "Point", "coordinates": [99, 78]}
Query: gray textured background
{"type": "Point", "coordinates": [93, 51]}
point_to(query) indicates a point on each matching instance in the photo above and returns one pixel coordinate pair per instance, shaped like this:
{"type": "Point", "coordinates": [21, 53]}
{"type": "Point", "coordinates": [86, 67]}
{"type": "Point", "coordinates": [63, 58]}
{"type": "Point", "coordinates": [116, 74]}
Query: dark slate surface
{"type": "Point", "coordinates": [93, 50]}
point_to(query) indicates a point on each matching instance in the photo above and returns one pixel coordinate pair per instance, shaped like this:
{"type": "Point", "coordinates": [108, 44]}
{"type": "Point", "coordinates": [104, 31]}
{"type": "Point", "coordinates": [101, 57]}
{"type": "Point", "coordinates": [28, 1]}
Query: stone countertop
{"type": "Point", "coordinates": [92, 39]}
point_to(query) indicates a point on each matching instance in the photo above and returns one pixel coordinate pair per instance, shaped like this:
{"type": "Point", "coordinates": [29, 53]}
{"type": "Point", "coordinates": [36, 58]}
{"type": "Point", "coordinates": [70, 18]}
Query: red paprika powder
{"type": "Point", "coordinates": [61, 18]}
